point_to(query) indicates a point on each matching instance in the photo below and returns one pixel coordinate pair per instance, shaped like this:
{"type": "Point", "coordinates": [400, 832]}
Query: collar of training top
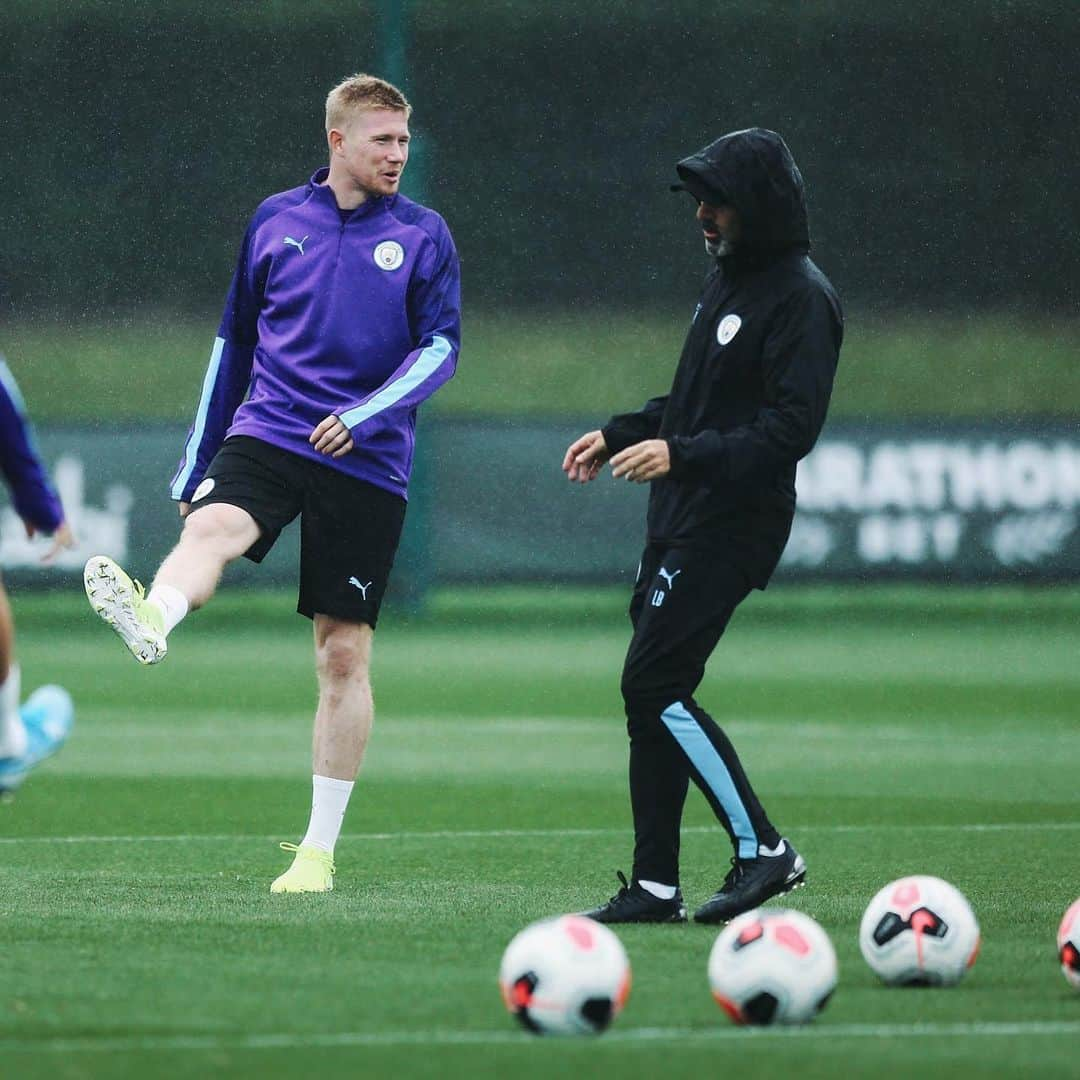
{"type": "Point", "coordinates": [322, 193]}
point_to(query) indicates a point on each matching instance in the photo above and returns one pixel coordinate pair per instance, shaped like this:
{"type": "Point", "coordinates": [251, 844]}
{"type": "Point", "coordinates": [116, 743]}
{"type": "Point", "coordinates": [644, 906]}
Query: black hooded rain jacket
{"type": "Point", "coordinates": [756, 372]}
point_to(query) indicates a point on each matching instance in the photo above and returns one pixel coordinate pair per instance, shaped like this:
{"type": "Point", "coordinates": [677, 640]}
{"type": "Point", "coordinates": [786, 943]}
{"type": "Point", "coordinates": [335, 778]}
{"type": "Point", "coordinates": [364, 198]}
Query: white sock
{"type": "Point", "coordinates": [12, 729]}
{"type": "Point", "coordinates": [771, 852]}
{"type": "Point", "coordinates": [172, 604]}
{"type": "Point", "coordinates": [329, 798]}
{"type": "Point", "coordinates": [661, 892]}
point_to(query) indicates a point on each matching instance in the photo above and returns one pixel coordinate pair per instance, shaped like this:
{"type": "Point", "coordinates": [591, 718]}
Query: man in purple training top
{"type": "Point", "coordinates": [341, 319]}
{"type": "Point", "coordinates": [31, 732]}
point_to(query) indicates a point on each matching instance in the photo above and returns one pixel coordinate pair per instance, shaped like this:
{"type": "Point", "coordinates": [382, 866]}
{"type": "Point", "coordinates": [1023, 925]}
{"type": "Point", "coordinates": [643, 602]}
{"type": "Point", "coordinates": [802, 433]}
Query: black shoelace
{"type": "Point", "coordinates": [623, 891]}
{"type": "Point", "coordinates": [733, 874]}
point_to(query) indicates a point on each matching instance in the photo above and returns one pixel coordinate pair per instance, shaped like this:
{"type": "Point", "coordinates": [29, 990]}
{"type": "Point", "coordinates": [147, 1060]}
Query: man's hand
{"type": "Point", "coordinates": [332, 437]}
{"type": "Point", "coordinates": [642, 462]}
{"type": "Point", "coordinates": [62, 538]}
{"type": "Point", "coordinates": [586, 457]}
{"type": "Point", "coordinates": [184, 508]}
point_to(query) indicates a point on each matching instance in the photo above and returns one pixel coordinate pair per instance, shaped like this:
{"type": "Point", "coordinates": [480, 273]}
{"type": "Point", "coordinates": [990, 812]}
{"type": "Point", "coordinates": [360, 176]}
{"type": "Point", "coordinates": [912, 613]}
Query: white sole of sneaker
{"type": "Point", "coordinates": [797, 878]}
{"type": "Point", "coordinates": [298, 892]}
{"type": "Point", "coordinates": [114, 602]}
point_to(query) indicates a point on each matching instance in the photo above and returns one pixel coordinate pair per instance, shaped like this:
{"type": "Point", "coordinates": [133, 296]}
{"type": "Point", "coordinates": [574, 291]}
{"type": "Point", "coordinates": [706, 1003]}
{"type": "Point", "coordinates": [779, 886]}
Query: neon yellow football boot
{"type": "Point", "coordinates": [122, 604]}
{"type": "Point", "coordinates": [312, 870]}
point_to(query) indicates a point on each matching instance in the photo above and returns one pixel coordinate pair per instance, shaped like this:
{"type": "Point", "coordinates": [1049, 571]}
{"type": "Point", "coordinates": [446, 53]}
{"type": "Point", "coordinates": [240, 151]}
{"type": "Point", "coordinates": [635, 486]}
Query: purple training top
{"type": "Point", "coordinates": [33, 495]}
{"type": "Point", "coordinates": [351, 313]}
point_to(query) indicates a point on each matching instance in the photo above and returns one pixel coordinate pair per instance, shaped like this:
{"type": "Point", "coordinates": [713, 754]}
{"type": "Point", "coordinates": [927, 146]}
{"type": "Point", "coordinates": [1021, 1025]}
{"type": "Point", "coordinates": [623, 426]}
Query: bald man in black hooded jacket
{"type": "Point", "coordinates": [719, 451]}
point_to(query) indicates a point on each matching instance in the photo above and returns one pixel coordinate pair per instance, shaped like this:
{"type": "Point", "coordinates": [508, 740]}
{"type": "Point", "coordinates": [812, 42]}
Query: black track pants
{"type": "Point", "coordinates": [682, 602]}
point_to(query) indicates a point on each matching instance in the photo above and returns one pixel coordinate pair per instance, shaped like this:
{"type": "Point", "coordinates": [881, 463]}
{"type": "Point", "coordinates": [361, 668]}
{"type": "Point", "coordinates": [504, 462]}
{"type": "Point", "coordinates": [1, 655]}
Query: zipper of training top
{"type": "Point", "coordinates": [340, 238]}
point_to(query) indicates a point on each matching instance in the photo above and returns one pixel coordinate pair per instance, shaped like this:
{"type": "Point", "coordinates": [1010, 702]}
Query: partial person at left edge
{"type": "Point", "coordinates": [34, 730]}
{"type": "Point", "coordinates": [342, 318]}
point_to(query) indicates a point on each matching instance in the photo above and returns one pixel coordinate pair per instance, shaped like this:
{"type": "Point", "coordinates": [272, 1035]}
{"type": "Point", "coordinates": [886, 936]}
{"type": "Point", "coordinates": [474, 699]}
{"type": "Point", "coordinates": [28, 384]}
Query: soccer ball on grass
{"type": "Point", "coordinates": [772, 966]}
{"type": "Point", "coordinates": [1068, 943]}
{"type": "Point", "coordinates": [919, 931]}
{"type": "Point", "coordinates": [565, 976]}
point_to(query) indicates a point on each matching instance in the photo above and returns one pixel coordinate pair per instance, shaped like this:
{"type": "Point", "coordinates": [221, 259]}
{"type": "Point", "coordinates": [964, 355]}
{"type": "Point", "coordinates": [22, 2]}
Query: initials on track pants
{"type": "Point", "coordinates": [682, 602]}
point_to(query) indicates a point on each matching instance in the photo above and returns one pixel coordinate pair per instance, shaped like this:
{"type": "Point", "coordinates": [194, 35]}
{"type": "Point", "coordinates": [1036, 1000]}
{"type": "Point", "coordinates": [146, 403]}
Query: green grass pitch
{"type": "Point", "coordinates": [139, 938]}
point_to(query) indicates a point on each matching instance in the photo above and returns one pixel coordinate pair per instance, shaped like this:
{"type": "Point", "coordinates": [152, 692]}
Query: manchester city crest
{"type": "Point", "coordinates": [389, 255]}
{"type": "Point", "coordinates": [728, 328]}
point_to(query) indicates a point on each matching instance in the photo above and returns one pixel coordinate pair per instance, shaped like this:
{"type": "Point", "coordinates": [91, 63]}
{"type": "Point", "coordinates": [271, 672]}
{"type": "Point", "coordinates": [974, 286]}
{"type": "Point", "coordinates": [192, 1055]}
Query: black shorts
{"type": "Point", "coordinates": [349, 529]}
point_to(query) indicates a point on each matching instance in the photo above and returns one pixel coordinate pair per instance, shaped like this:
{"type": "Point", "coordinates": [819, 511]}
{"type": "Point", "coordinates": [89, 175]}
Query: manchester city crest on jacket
{"type": "Point", "coordinates": [727, 328]}
{"type": "Point", "coordinates": [389, 255]}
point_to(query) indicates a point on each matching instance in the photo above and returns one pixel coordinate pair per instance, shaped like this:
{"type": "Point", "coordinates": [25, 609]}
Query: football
{"type": "Point", "coordinates": [1068, 943]}
{"type": "Point", "coordinates": [565, 976]}
{"type": "Point", "coordinates": [772, 966]}
{"type": "Point", "coordinates": [919, 931]}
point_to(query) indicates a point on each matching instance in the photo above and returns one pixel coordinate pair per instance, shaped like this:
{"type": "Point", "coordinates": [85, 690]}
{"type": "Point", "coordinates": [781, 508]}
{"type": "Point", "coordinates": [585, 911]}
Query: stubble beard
{"type": "Point", "coordinates": [717, 249]}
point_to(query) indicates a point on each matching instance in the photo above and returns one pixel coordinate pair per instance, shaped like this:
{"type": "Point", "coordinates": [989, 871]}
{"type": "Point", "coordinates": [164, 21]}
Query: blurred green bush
{"type": "Point", "coordinates": [582, 364]}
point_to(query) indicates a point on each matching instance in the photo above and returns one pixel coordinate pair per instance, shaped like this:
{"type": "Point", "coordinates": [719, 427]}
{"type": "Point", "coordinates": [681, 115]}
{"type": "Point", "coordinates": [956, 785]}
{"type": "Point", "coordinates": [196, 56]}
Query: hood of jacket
{"type": "Point", "coordinates": [752, 170]}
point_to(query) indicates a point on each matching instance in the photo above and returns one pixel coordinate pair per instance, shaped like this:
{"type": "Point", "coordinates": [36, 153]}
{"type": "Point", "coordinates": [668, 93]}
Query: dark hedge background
{"type": "Point", "coordinates": [938, 143]}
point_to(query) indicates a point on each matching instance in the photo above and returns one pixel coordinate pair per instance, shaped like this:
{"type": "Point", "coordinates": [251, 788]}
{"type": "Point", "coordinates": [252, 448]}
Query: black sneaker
{"type": "Point", "coordinates": [632, 904]}
{"type": "Point", "coordinates": [751, 882]}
